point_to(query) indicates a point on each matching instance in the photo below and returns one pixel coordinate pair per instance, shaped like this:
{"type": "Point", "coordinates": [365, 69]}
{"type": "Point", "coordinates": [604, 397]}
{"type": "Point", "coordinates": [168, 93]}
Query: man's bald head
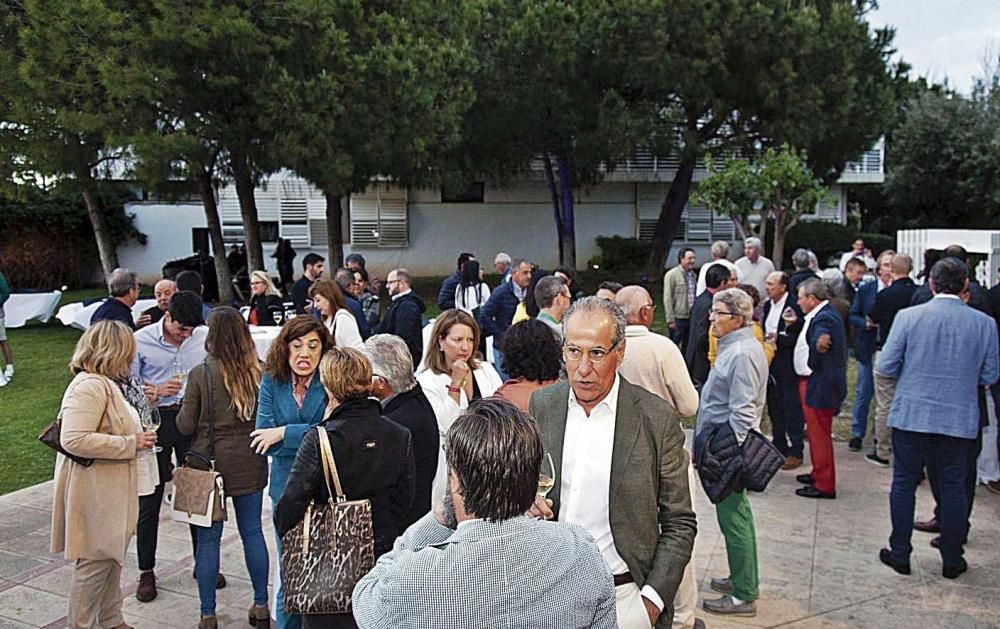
{"type": "Point", "coordinates": [163, 291]}
{"type": "Point", "coordinates": [637, 304]}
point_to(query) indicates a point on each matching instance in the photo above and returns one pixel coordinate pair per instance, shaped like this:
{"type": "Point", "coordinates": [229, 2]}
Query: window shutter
{"type": "Point", "coordinates": [379, 217]}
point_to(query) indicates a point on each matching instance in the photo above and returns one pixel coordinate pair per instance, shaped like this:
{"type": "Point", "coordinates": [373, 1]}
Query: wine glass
{"type": "Point", "coordinates": [150, 421]}
{"type": "Point", "coordinates": [546, 476]}
{"type": "Point", "coordinates": [276, 315]}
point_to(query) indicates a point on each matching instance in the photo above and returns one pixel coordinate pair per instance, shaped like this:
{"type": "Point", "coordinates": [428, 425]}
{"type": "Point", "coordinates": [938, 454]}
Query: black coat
{"type": "Point", "coordinates": [719, 460]}
{"type": "Point", "coordinates": [798, 277]}
{"type": "Point", "coordinates": [403, 318]}
{"type": "Point", "coordinates": [374, 458]}
{"type": "Point", "coordinates": [264, 305]}
{"type": "Point", "coordinates": [978, 298]}
{"type": "Point", "coordinates": [888, 303]}
{"type": "Point", "coordinates": [412, 411]}
{"type": "Point", "coordinates": [113, 310]}
{"type": "Point", "coordinates": [696, 352]}
{"type": "Point", "coordinates": [783, 364]}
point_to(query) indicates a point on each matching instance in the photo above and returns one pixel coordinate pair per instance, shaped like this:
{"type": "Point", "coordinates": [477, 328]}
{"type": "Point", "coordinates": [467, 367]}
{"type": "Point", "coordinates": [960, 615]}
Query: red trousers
{"type": "Point", "coordinates": [819, 428]}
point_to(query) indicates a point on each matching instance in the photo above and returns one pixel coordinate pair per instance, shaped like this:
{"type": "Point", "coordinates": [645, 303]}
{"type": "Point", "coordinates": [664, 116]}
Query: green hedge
{"type": "Point", "coordinates": [828, 241]}
{"type": "Point", "coordinates": [619, 254]}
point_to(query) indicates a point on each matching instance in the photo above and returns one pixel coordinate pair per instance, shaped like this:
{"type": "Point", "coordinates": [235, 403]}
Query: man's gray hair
{"type": "Point", "coordinates": [833, 279]}
{"type": "Point", "coordinates": [813, 286]}
{"type": "Point", "coordinates": [390, 358]}
{"type": "Point", "coordinates": [547, 289]}
{"type": "Point", "coordinates": [597, 305]}
{"type": "Point", "coordinates": [813, 260]}
{"type": "Point", "coordinates": [720, 249]}
{"type": "Point", "coordinates": [344, 278]}
{"type": "Point", "coordinates": [801, 258]}
{"type": "Point", "coordinates": [737, 302]}
{"type": "Point", "coordinates": [519, 261]}
{"type": "Point", "coordinates": [402, 274]}
{"type": "Point", "coordinates": [121, 281]}
{"type": "Point", "coordinates": [502, 258]}
{"type": "Point", "coordinates": [754, 242]}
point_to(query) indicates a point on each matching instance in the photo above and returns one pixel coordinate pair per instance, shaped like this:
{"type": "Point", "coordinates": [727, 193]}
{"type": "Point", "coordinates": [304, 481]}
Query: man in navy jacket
{"type": "Point", "coordinates": [497, 313]}
{"type": "Point", "coordinates": [446, 296]}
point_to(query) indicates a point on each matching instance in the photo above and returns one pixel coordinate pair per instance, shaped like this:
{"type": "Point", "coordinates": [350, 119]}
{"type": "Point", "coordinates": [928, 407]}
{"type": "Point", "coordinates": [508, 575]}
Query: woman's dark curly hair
{"type": "Point", "coordinates": [531, 351]}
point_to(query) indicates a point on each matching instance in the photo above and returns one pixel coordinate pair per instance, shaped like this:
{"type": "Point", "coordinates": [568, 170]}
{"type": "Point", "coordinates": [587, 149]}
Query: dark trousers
{"type": "Point", "coordinates": [148, 526]}
{"type": "Point", "coordinates": [949, 457]}
{"type": "Point", "coordinates": [971, 476]}
{"type": "Point", "coordinates": [784, 407]}
{"type": "Point", "coordinates": [679, 336]}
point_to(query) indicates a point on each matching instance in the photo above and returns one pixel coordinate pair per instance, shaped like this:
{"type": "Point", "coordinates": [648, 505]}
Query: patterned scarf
{"type": "Point", "coordinates": [131, 388]}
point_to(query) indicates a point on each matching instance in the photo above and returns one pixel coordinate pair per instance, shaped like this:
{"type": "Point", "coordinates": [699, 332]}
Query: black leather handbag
{"type": "Point", "coordinates": [761, 461]}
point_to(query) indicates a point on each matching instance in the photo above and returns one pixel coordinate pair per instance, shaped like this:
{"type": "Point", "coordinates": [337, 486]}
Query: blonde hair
{"type": "Point", "coordinates": [264, 277]}
{"type": "Point", "coordinates": [433, 356]}
{"type": "Point", "coordinates": [107, 348]}
{"type": "Point", "coordinates": [345, 373]}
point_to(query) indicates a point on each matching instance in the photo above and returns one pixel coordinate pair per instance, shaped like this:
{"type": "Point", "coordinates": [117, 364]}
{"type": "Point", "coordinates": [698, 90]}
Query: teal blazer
{"type": "Point", "coordinates": [276, 407]}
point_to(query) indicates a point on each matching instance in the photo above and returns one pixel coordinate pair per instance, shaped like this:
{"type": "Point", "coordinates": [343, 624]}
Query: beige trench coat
{"type": "Point", "coordinates": [95, 508]}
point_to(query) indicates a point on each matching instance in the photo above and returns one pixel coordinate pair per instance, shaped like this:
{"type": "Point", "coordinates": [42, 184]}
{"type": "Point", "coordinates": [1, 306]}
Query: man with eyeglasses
{"type": "Point", "coordinates": [403, 317]}
{"type": "Point", "coordinates": [553, 299]}
{"type": "Point", "coordinates": [620, 475]}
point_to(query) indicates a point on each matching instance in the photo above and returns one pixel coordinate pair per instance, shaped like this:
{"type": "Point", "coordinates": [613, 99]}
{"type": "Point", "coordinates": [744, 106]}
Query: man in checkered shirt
{"type": "Point", "coordinates": [479, 561]}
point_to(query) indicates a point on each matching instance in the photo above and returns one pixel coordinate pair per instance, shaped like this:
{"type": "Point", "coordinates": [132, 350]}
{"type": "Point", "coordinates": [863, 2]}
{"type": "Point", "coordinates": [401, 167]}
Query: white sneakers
{"type": "Point", "coordinates": [7, 375]}
{"type": "Point", "coordinates": [3, 380]}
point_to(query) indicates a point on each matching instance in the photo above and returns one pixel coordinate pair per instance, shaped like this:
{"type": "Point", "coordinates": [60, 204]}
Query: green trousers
{"type": "Point", "coordinates": [736, 523]}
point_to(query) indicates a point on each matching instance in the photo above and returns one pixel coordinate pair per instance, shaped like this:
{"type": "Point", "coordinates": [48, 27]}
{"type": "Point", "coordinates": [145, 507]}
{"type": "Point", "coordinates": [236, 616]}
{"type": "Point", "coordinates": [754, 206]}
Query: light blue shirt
{"type": "Point", "coordinates": [156, 360]}
{"type": "Point", "coordinates": [939, 353]}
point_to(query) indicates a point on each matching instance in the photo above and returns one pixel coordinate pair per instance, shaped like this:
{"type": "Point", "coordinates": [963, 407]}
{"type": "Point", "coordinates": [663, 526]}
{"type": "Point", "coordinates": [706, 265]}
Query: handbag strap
{"type": "Point", "coordinates": [211, 416]}
{"type": "Point", "coordinates": [329, 466]}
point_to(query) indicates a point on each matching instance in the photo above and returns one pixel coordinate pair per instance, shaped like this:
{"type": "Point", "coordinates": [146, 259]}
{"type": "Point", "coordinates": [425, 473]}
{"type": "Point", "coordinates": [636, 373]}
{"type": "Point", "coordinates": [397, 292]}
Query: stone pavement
{"type": "Point", "coordinates": [818, 563]}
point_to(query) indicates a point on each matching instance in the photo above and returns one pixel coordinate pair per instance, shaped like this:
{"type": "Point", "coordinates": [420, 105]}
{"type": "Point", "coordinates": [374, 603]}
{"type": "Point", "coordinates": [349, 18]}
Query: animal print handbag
{"type": "Point", "coordinates": [325, 555]}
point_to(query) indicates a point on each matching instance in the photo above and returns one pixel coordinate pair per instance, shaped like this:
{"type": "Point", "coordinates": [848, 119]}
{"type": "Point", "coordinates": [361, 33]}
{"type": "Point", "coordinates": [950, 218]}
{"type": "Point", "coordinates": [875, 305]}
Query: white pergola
{"type": "Point", "coordinates": [914, 242]}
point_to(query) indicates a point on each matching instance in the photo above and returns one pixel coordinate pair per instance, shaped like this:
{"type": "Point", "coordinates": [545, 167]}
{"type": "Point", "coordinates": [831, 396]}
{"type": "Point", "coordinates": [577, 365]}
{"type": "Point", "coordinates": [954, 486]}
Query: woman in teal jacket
{"type": "Point", "coordinates": [292, 401]}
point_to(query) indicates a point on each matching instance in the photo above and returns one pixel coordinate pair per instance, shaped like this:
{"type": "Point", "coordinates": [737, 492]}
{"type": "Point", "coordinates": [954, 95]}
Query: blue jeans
{"type": "Point", "coordinates": [285, 620]}
{"type": "Point", "coordinates": [248, 509]}
{"type": "Point", "coordinates": [863, 397]}
{"type": "Point", "coordinates": [949, 456]}
{"type": "Point", "coordinates": [679, 336]}
{"type": "Point", "coordinates": [498, 362]}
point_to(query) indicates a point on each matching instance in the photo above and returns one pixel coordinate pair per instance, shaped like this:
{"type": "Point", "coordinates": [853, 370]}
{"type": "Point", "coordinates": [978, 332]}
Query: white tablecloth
{"type": "Point", "coordinates": [78, 315]}
{"type": "Point", "coordinates": [263, 336]}
{"type": "Point", "coordinates": [24, 307]}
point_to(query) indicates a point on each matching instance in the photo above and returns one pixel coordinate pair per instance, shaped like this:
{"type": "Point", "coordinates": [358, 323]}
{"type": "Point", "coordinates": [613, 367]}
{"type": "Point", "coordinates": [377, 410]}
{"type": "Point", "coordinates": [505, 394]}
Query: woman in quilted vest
{"type": "Point", "coordinates": [374, 459]}
{"type": "Point", "coordinates": [222, 392]}
{"type": "Point", "coordinates": [95, 507]}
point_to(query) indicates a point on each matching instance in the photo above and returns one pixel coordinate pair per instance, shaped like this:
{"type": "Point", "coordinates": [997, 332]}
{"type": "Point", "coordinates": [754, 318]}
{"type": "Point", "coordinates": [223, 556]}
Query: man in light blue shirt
{"type": "Point", "coordinates": [165, 352]}
{"type": "Point", "coordinates": [939, 353]}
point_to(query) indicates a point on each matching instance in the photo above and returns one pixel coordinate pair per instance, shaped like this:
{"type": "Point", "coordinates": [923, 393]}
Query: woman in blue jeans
{"type": "Point", "coordinates": [292, 401]}
{"type": "Point", "coordinates": [218, 409]}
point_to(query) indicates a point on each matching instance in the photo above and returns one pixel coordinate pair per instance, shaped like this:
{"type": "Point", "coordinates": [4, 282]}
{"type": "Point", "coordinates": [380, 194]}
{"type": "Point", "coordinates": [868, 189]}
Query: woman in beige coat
{"type": "Point", "coordinates": [95, 508]}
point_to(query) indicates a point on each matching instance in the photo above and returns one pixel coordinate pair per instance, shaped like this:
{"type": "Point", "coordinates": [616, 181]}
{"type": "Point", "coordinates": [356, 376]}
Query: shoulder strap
{"type": "Point", "coordinates": [211, 416]}
{"type": "Point", "coordinates": [329, 466]}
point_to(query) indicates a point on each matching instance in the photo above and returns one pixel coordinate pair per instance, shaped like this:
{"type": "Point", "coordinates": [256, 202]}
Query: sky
{"type": "Point", "coordinates": [943, 38]}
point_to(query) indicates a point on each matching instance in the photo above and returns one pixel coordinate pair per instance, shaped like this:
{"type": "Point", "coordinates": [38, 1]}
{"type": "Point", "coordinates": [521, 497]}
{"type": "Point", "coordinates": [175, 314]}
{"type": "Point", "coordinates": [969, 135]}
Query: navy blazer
{"type": "Point", "coordinates": [864, 340]}
{"type": "Point", "coordinates": [827, 386]}
{"type": "Point", "coordinates": [497, 313]}
{"type": "Point", "coordinates": [783, 364]}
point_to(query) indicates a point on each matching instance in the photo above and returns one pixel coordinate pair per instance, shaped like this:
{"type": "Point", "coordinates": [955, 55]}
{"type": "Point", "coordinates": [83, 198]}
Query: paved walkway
{"type": "Point", "coordinates": [818, 563]}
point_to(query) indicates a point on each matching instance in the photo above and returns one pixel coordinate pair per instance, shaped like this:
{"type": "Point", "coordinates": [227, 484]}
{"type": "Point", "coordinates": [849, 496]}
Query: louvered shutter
{"type": "Point", "coordinates": [379, 217]}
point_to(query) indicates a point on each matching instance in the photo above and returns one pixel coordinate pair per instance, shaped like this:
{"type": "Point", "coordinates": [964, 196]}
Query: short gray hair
{"type": "Point", "coordinates": [720, 248]}
{"type": "Point", "coordinates": [813, 286]}
{"type": "Point", "coordinates": [597, 305]}
{"type": "Point", "coordinates": [547, 289]}
{"type": "Point", "coordinates": [390, 358]}
{"type": "Point", "coordinates": [737, 302]}
{"type": "Point", "coordinates": [754, 242]}
{"type": "Point", "coordinates": [801, 258]}
{"type": "Point", "coordinates": [121, 281]}
{"type": "Point", "coordinates": [502, 258]}
{"type": "Point", "coordinates": [402, 274]}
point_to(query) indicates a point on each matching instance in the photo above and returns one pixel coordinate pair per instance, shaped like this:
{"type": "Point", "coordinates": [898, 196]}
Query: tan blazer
{"type": "Point", "coordinates": [95, 509]}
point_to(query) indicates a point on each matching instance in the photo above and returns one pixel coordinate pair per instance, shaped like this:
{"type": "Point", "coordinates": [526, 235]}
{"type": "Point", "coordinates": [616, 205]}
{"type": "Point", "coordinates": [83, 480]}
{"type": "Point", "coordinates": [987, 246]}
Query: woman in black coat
{"type": "Point", "coordinates": [265, 300]}
{"type": "Point", "coordinates": [373, 454]}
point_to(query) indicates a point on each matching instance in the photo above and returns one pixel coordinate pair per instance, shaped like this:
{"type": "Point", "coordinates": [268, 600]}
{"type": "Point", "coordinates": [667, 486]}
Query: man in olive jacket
{"type": "Point", "coordinates": [620, 465]}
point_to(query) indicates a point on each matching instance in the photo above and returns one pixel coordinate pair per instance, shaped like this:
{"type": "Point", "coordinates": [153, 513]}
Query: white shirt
{"type": "Point", "coordinates": [585, 485]}
{"type": "Point", "coordinates": [475, 297]}
{"type": "Point", "coordinates": [704, 270]}
{"type": "Point", "coordinates": [345, 331]}
{"type": "Point", "coordinates": [755, 273]}
{"type": "Point", "coordinates": [401, 293]}
{"type": "Point", "coordinates": [774, 315]}
{"type": "Point", "coordinates": [847, 257]}
{"type": "Point", "coordinates": [801, 357]}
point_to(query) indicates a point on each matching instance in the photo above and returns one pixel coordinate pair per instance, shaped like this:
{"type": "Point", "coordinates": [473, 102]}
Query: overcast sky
{"type": "Point", "coordinates": [943, 38]}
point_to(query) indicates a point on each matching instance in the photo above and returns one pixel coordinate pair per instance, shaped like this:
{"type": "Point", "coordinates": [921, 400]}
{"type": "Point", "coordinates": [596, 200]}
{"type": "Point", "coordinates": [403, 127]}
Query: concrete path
{"type": "Point", "coordinates": [818, 563]}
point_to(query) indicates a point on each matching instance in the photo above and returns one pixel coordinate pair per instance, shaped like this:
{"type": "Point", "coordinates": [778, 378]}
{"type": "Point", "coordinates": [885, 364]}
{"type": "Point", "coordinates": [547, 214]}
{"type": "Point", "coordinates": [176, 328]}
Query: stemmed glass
{"type": "Point", "coordinates": [546, 476]}
{"type": "Point", "coordinates": [150, 421]}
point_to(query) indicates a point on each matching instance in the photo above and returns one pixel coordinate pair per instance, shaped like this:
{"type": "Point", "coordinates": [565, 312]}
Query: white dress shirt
{"type": "Point", "coordinates": [704, 271]}
{"type": "Point", "coordinates": [774, 315]}
{"type": "Point", "coordinates": [801, 357]}
{"type": "Point", "coordinates": [585, 485]}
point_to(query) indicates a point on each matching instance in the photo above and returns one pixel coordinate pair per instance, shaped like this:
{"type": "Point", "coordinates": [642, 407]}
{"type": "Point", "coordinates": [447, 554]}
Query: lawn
{"type": "Point", "coordinates": [41, 356]}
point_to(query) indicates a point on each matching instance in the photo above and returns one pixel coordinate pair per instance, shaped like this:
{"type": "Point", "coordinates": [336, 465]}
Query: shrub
{"type": "Point", "coordinates": [828, 240]}
{"type": "Point", "coordinates": [620, 254]}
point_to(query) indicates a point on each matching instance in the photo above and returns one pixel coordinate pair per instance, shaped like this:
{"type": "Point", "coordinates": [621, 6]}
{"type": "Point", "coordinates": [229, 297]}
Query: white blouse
{"type": "Point", "coordinates": [475, 297]}
{"type": "Point", "coordinates": [345, 330]}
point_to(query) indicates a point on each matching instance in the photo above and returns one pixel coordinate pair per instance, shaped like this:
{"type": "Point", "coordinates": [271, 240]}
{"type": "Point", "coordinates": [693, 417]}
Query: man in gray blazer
{"type": "Point", "coordinates": [621, 468]}
{"type": "Point", "coordinates": [479, 562]}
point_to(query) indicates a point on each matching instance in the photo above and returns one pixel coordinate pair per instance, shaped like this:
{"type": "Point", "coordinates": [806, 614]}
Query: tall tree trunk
{"type": "Point", "coordinates": [334, 232]}
{"type": "Point", "coordinates": [670, 215]}
{"type": "Point", "coordinates": [95, 211]}
{"type": "Point", "coordinates": [567, 239]}
{"type": "Point", "coordinates": [550, 180]}
{"type": "Point", "coordinates": [207, 192]}
{"type": "Point", "coordinates": [248, 209]}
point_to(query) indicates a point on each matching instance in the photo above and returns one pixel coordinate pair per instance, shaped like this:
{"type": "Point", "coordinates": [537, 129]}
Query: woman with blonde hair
{"type": "Point", "coordinates": [221, 402]}
{"type": "Point", "coordinates": [265, 300]}
{"type": "Point", "coordinates": [374, 459]}
{"type": "Point", "coordinates": [452, 376]}
{"type": "Point", "coordinates": [95, 507]}
{"type": "Point", "coordinates": [332, 307]}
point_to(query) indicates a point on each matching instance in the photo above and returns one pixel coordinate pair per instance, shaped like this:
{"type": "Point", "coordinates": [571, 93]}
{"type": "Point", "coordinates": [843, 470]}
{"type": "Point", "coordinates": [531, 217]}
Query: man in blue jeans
{"type": "Point", "coordinates": [939, 353]}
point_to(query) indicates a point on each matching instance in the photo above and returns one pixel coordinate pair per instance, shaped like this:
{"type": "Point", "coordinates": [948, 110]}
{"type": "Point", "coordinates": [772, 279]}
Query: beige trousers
{"type": "Point", "coordinates": [95, 591]}
{"type": "Point", "coordinates": [885, 390]}
{"type": "Point", "coordinates": [686, 601]}
{"type": "Point", "coordinates": [630, 608]}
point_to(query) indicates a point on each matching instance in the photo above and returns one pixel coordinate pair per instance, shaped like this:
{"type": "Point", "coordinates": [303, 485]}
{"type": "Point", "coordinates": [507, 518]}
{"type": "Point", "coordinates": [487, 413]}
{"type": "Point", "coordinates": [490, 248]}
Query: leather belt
{"type": "Point", "coordinates": [174, 408]}
{"type": "Point", "coordinates": [623, 578]}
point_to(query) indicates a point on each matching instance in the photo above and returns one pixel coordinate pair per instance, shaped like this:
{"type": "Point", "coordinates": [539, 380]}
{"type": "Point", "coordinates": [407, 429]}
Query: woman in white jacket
{"type": "Point", "coordinates": [333, 312]}
{"type": "Point", "coordinates": [452, 376]}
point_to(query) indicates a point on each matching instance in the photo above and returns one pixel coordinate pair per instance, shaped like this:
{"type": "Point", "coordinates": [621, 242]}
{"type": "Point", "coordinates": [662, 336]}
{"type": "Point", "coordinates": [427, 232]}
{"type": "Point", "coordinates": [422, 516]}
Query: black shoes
{"type": "Point", "coordinates": [812, 492]}
{"type": "Point", "coordinates": [952, 572]}
{"type": "Point", "coordinates": [220, 581]}
{"type": "Point", "coordinates": [854, 445]}
{"type": "Point", "coordinates": [805, 479]}
{"type": "Point", "coordinates": [885, 556]}
{"type": "Point", "coordinates": [927, 526]}
{"type": "Point", "coordinates": [877, 460]}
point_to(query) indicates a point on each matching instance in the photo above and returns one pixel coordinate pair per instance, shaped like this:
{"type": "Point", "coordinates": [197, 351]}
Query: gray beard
{"type": "Point", "coordinates": [451, 520]}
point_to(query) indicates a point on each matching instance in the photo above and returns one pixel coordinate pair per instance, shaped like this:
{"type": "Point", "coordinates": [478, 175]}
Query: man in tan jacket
{"type": "Point", "coordinates": [678, 294]}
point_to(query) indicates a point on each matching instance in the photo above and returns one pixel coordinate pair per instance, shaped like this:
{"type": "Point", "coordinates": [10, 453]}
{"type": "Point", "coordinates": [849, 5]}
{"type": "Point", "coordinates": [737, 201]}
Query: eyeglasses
{"type": "Point", "coordinates": [390, 282]}
{"type": "Point", "coordinates": [653, 306]}
{"type": "Point", "coordinates": [721, 313]}
{"type": "Point", "coordinates": [595, 354]}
